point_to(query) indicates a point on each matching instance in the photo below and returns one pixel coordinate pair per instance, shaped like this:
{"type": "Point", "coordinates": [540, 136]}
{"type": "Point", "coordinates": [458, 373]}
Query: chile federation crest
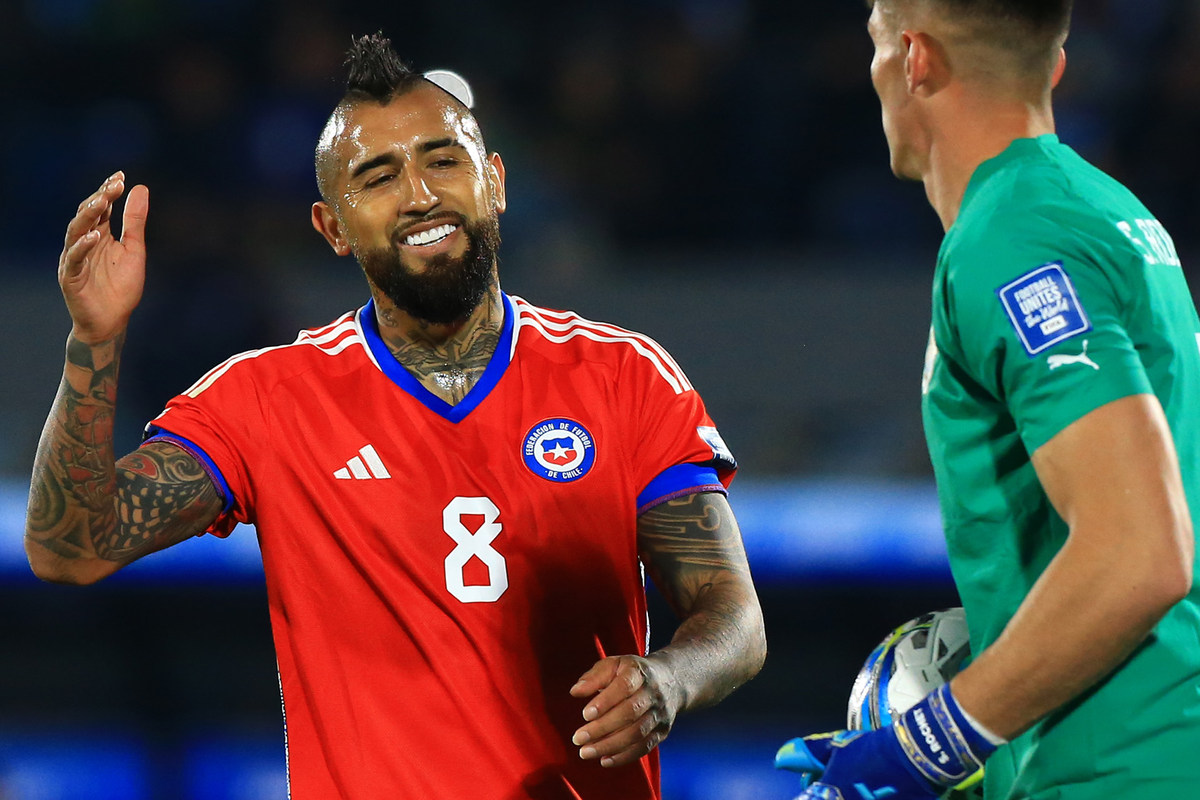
{"type": "Point", "coordinates": [559, 450]}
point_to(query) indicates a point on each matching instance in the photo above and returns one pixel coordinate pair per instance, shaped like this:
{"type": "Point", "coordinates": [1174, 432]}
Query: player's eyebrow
{"type": "Point", "coordinates": [438, 144]}
{"type": "Point", "coordinates": [391, 158]}
{"type": "Point", "coordinates": [372, 163]}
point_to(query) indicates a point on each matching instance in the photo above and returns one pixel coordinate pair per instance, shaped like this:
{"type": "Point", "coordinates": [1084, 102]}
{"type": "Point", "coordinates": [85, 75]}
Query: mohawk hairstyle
{"type": "Point", "coordinates": [375, 74]}
{"type": "Point", "coordinates": [375, 71]}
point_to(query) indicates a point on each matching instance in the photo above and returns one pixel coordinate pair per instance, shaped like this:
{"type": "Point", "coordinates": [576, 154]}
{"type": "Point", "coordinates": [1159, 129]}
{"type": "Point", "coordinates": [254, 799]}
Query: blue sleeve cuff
{"type": "Point", "coordinates": [156, 434]}
{"type": "Point", "coordinates": [678, 481]}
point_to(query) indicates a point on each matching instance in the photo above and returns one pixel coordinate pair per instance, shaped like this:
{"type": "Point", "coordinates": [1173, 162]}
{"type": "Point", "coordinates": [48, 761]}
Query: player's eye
{"type": "Point", "coordinates": [379, 180]}
{"type": "Point", "coordinates": [444, 162]}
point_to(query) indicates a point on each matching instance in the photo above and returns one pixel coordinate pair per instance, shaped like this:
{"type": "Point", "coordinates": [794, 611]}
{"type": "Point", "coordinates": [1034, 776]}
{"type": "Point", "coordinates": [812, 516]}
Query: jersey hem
{"type": "Point", "coordinates": [678, 481]}
{"type": "Point", "coordinates": [1047, 432]}
{"type": "Point", "coordinates": [711, 487]}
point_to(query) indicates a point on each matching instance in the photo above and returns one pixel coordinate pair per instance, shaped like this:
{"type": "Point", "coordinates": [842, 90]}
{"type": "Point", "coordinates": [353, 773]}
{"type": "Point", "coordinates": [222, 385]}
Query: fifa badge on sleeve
{"type": "Point", "coordinates": [1043, 308]}
{"type": "Point", "coordinates": [720, 450]}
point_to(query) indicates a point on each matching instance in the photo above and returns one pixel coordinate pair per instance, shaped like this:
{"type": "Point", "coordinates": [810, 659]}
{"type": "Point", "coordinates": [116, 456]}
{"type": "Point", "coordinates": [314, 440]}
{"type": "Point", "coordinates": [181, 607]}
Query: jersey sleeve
{"type": "Point", "coordinates": [678, 450]}
{"type": "Point", "coordinates": [1041, 318]}
{"type": "Point", "coordinates": [218, 421]}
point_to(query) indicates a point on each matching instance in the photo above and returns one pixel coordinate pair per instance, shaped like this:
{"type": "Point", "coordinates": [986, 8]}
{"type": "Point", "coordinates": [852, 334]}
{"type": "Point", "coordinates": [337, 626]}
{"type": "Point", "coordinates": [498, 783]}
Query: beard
{"type": "Point", "coordinates": [448, 289]}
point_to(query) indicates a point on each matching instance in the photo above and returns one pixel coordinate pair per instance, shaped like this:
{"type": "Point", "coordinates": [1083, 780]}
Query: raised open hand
{"type": "Point", "coordinates": [102, 277]}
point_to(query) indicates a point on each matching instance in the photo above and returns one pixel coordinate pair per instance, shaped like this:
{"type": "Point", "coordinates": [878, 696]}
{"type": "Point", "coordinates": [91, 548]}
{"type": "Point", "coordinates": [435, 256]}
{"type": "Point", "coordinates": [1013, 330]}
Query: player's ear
{"type": "Point", "coordinates": [1059, 68]}
{"type": "Point", "coordinates": [496, 177]}
{"type": "Point", "coordinates": [326, 223]}
{"type": "Point", "coordinates": [926, 68]}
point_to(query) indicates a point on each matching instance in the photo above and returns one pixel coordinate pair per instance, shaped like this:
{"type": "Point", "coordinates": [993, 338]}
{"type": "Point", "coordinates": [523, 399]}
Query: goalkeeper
{"type": "Point", "coordinates": [1062, 412]}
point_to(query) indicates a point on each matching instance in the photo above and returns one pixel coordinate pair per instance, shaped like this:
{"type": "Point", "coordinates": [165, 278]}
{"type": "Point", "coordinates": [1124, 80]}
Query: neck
{"type": "Point", "coordinates": [974, 133]}
{"type": "Point", "coordinates": [447, 359]}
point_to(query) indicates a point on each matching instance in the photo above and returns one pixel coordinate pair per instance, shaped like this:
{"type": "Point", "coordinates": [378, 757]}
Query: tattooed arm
{"type": "Point", "coordinates": [88, 514]}
{"type": "Point", "coordinates": [693, 551]}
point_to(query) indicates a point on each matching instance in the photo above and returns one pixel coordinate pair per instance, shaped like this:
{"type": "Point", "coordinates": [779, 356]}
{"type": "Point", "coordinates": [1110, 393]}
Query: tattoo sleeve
{"type": "Point", "coordinates": [692, 549]}
{"type": "Point", "coordinates": [89, 514]}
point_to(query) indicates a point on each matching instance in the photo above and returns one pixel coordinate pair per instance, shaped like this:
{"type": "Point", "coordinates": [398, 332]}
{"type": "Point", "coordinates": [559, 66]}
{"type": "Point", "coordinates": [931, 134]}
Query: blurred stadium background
{"type": "Point", "coordinates": [710, 172]}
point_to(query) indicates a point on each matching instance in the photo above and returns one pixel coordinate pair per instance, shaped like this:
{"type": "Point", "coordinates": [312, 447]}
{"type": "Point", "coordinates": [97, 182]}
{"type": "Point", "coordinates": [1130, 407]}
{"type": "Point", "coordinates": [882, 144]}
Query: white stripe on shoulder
{"type": "Point", "coordinates": [532, 322]}
{"type": "Point", "coordinates": [516, 330]}
{"type": "Point", "coordinates": [560, 320]}
{"type": "Point", "coordinates": [568, 318]}
{"type": "Point", "coordinates": [559, 332]}
{"type": "Point", "coordinates": [342, 320]}
{"type": "Point", "coordinates": [339, 327]}
{"type": "Point", "coordinates": [330, 340]}
{"type": "Point", "coordinates": [359, 330]}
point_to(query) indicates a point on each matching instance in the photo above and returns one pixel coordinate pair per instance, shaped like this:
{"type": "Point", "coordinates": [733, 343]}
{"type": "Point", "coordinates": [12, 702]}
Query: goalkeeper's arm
{"type": "Point", "coordinates": [1113, 476]}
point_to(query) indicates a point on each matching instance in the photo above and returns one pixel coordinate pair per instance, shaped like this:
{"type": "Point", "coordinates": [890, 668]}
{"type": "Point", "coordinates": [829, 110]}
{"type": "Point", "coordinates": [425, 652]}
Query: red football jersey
{"type": "Point", "coordinates": [440, 576]}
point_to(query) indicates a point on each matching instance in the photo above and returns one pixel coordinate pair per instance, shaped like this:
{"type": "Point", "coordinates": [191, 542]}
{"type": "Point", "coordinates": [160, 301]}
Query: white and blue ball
{"type": "Point", "coordinates": [912, 661]}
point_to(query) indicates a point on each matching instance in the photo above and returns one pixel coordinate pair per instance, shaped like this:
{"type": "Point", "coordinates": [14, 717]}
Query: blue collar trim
{"type": "Point", "coordinates": [400, 376]}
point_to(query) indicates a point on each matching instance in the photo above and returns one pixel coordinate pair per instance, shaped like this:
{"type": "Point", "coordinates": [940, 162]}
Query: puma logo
{"type": "Point", "coordinates": [1063, 360]}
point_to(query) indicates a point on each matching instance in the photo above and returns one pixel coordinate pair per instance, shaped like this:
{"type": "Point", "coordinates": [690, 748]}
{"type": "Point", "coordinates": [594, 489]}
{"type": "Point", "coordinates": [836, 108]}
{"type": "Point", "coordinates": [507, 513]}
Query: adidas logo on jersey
{"type": "Point", "coordinates": [365, 468]}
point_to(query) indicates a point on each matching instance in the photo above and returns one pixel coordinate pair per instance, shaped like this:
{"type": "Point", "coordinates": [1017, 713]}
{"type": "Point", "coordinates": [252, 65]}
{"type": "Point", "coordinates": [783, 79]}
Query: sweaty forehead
{"type": "Point", "coordinates": [362, 130]}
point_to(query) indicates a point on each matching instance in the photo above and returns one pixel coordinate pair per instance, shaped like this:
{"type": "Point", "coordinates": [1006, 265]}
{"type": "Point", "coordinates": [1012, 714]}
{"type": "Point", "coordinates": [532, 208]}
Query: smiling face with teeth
{"type": "Point", "coordinates": [413, 194]}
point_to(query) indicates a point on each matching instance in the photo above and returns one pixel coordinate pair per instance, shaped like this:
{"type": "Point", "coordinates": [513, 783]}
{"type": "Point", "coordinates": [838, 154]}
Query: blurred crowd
{"type": "Point", "coordinates": [678, 125]}
{"type": "Point", "coordinates": [639, 135]}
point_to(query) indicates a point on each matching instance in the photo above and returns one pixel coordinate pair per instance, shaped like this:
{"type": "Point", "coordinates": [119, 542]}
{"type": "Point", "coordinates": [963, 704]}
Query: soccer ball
{"type": "Point", "coordinates": [908, 664]}
{"type": "Point", "coordinates": [912, 661]}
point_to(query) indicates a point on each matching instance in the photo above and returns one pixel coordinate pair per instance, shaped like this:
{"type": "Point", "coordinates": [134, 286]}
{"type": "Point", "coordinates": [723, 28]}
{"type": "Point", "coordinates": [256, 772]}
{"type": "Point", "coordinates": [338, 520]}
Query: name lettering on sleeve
{"type": "Point", "coordinates": [1152, 239]}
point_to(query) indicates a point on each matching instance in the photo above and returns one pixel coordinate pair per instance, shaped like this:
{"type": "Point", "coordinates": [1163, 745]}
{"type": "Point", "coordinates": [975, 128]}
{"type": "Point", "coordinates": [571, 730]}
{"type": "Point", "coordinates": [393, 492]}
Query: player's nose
{"type": "Point", "coordinates": [417, 196]}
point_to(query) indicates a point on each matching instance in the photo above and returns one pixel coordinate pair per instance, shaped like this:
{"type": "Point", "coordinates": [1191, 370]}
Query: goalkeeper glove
{"type": "Point", "coordinates": [930, 749]}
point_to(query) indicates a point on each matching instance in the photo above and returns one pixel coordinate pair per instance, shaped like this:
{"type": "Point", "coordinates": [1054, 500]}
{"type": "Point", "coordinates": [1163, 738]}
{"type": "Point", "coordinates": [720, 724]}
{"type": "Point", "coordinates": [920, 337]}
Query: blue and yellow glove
{"type": "Point", "coordinates": [930, 749]}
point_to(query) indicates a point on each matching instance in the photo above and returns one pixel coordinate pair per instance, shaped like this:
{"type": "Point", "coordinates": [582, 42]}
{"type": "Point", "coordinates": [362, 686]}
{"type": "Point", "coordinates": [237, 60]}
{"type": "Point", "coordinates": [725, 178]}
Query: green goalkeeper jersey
{"type": "Point", "coordinates": [1057, 292]}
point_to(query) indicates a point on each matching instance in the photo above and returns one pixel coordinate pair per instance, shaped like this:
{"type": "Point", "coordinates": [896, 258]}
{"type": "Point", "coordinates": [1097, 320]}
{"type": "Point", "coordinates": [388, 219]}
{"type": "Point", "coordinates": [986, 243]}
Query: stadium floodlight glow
{"type": "Point", "coordinates": [454, 84]}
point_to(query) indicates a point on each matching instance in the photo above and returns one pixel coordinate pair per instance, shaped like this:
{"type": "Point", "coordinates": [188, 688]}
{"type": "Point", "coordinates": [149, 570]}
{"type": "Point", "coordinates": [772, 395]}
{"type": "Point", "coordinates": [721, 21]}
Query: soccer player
{"type": "Point", "coordinates": [1060, 394]}
{"type": "Point", "coordinates": [455, 490]}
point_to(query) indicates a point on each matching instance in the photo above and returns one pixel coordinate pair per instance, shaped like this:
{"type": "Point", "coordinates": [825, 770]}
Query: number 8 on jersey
{"type": "Point", "coordinates": [474, 545]}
